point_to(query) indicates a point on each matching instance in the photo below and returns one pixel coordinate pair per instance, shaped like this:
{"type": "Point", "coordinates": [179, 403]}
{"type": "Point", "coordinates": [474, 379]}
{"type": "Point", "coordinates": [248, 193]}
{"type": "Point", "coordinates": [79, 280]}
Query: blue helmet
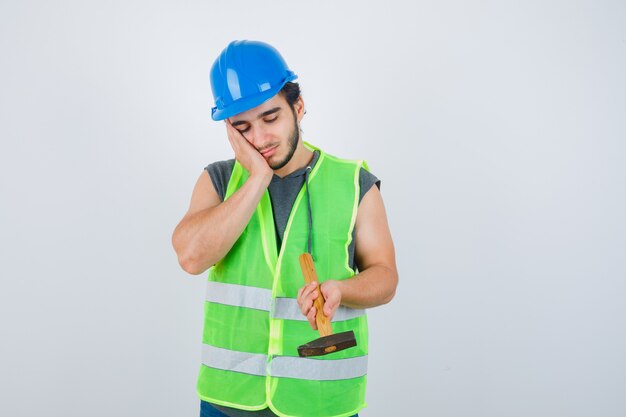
{"type": "Point", "coordinates": [246, 74]}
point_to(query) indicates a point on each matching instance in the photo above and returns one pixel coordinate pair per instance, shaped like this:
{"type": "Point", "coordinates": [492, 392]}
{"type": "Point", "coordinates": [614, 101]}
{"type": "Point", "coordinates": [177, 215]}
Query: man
{"type": "Point", "coordinates": [249, 220]}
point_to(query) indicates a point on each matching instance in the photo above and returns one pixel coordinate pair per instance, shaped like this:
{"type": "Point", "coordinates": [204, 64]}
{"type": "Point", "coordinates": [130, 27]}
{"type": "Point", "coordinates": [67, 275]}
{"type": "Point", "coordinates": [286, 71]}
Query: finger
{"type": "Point", "coordinates": [311, 318]}
{"type": "Point", "coordinates": [237, 135]}
{"type": "Point", "coordinates": [299, 297]}
{"type": "Point", "coordinates": [232, 132]}
{"type": "Point", "coordinates": [329, 309]}
{"type": "Point", "coordinates": [231, 139]}
{"type": "Point", "coordinates": [307, 302]}
{"type": "Point", "coordinates": [330, 305]}
{"type": "Point", "coordinates": [332, 297]}
{"type": "Point", "coordinates": [302, 301]}
{"type": "Point", "coordinates": [307, 289]}
{"type": "Point", "coordinates": [310, 287]}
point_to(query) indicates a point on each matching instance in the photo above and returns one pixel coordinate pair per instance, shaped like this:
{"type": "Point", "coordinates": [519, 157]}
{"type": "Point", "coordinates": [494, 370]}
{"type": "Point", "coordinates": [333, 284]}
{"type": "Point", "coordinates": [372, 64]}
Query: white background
{"type": "Point", "coordinates": [497, 128]}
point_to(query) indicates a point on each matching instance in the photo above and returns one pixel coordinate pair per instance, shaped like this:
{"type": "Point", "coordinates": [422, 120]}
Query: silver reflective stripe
{"type": "Point", "coordinates": [239, 295]}
{"type": "Point", "coordinates": [288, 309]}
{"type": "Point", "coordinates": [231, 360]}
{"type": "Point", "coordinates": [261, 299]}
{"type": "Point", "coordinates": [284, 366]}
{"type": "Point", "coordinates": [318, 369]}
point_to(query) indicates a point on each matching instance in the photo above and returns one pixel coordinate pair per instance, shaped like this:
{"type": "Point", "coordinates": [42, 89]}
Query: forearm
{"type": "Point", "coordinates": [372, 287]}
{"type": "Point", "coordinates": [377, 280]}
{"type": "Point", "coordinates": [203, 238]}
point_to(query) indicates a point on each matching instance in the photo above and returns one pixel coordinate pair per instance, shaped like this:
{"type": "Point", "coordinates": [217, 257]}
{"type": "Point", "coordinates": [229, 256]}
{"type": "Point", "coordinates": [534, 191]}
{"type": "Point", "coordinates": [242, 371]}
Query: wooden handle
{"type": "Point", "coordinates": [308, 270]}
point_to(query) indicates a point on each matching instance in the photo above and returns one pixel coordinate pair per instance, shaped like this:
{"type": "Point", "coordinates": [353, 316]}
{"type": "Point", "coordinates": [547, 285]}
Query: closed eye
{"type": "Point", "coordinates": [271, 120]}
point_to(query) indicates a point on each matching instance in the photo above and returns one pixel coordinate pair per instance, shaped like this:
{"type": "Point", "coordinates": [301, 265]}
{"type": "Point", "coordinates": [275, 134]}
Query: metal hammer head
{"type": "Point", "coordinates": [328, 344]}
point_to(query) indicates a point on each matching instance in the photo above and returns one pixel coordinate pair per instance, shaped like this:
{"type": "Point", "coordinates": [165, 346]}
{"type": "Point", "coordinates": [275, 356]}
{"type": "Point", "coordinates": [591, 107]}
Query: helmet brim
{"type": "Point", "coordinates": [245, 104]}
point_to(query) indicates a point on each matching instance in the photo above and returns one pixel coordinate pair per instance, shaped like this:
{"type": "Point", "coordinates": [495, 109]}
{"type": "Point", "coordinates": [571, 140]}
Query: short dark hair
{"type": "Point", "coordinates": [291, 92]}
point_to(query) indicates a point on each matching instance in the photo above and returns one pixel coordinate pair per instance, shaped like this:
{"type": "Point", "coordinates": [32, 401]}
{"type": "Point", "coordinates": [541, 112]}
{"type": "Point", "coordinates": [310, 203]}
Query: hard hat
{"type": "Point", "coordinates": [246, 74]}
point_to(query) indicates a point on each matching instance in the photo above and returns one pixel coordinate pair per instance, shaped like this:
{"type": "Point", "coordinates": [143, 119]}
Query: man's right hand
{"type": "Point", "coordinates": [247, 155]}
{"type": "Point", "coordinates": [210, 227]}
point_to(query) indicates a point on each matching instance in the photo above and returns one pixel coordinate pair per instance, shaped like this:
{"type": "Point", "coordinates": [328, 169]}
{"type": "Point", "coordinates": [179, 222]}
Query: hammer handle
{"type": "Point", "coordinates": [308, 270]}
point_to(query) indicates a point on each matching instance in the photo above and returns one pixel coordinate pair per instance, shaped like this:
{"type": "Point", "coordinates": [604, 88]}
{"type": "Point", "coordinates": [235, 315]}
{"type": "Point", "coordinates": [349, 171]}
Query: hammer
{"type": "Point", "coordinates": [329, 342]}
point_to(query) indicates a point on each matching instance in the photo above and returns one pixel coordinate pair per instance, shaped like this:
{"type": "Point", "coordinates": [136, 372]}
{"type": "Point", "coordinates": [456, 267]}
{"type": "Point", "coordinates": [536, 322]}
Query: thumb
{"type": "Point", "coordinates": [332, 299]}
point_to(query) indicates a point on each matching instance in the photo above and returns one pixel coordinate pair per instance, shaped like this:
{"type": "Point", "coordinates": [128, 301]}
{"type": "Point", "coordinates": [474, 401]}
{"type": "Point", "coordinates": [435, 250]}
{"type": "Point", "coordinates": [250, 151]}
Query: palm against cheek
{"type": "Point", "coordinates": [245, 153]}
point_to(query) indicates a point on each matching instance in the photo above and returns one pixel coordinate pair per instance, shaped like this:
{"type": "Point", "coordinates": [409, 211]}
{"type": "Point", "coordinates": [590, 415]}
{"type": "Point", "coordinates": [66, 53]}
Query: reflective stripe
{"type": "Point", "coordinates": [288, 309]}
{"type": "Point", "coordinates": [261, 299]}
{"type": "Point", "coordinates": [284, 366]}
{"type": "Point", "coordinates": [318, 369]}
{"type": "Point", "coordinates": [239, 295]}
{"type": "Point", "coordinates": [231, 360]}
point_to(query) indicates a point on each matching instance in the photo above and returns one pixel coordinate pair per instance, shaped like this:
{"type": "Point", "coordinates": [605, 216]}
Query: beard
{"type": "Point", "coordinates": [292, 144]}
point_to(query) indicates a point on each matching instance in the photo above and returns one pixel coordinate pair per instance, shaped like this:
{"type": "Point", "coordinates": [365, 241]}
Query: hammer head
{"type": "Point", "coordinates": [328, 344]}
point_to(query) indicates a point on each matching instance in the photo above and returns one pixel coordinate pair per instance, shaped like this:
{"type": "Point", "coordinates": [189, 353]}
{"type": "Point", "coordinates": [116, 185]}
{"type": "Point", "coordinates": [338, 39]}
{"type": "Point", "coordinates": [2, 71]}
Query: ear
{"type": "Point", "coordinates": [298, 106]}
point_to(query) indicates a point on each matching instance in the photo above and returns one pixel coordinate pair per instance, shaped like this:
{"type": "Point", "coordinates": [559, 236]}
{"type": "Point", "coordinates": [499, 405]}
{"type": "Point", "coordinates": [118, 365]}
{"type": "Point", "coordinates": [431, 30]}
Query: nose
{"type": "Point", "coordinates": [259, 136]}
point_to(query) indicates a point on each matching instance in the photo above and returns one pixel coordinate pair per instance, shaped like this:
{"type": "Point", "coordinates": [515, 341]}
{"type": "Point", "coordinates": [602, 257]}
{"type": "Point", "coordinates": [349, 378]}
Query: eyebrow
{"type": "Point", "coordinates": [265, 113]}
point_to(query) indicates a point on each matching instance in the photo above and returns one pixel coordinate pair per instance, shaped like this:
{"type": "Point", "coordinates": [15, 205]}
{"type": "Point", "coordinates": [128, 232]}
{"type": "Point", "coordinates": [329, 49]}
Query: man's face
{"type": "Point", "coordinates": [272, 128]}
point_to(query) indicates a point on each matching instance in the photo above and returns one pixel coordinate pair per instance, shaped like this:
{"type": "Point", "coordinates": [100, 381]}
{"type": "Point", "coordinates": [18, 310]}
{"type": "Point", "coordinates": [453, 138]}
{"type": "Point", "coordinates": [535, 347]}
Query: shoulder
{"type": "Point", "coordinates": [366, 182]}
{"type": "Point", "coordinates": [220, 172]}
{"type": "Point", "coordinates": [366, 178]}
{"type": "Point", "coordinates": [225, 166]}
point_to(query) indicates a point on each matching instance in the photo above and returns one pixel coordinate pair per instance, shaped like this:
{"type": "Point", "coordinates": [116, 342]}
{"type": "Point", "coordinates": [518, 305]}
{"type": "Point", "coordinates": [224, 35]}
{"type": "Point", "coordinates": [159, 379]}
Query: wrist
{"type": "Point", "coordinates": [337, 286]}
{"type": "Point", "coordinates": [263, 177]}
{"type": "Point", "coordinates": [343, 289]}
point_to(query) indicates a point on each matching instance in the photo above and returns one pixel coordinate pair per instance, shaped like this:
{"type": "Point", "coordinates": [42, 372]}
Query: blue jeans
{"type": "Point", "coordinates": [207, 410]}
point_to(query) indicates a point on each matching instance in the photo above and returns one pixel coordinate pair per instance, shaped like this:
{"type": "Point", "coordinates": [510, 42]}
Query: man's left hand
{"type": "Point", "coordinates": [332, 294]}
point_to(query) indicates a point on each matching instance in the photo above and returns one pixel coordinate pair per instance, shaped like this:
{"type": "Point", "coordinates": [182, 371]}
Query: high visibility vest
{"type": "Point", "coordinates": [253, 325]}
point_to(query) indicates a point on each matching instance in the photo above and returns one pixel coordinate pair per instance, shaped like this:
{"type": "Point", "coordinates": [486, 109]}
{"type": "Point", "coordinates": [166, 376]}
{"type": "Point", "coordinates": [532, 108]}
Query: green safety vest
{"type": "Point", "coordinates": [253, 324]}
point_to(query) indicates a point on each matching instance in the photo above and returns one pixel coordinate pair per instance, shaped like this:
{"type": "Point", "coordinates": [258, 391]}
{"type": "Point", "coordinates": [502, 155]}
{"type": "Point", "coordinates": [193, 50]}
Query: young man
{"type": "Point", "coordinates": [249, 220]}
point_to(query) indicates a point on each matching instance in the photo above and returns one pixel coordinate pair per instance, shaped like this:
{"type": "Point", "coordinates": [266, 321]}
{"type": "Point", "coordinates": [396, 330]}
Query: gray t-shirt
{"type": "Point", "coordinates": [283, 193]}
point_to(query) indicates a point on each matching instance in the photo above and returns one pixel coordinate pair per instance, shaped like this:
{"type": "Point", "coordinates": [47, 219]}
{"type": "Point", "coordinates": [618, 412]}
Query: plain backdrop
{"type": "Point", "coordinates": [496, 127]}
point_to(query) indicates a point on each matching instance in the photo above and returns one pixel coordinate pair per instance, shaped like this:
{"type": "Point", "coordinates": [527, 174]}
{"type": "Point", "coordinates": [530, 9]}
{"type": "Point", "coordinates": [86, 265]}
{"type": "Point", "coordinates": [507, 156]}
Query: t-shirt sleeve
{"type": "Point", "coordinates": [220, 172]}
{"type": "Point", "coordinates": [366, 181]}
